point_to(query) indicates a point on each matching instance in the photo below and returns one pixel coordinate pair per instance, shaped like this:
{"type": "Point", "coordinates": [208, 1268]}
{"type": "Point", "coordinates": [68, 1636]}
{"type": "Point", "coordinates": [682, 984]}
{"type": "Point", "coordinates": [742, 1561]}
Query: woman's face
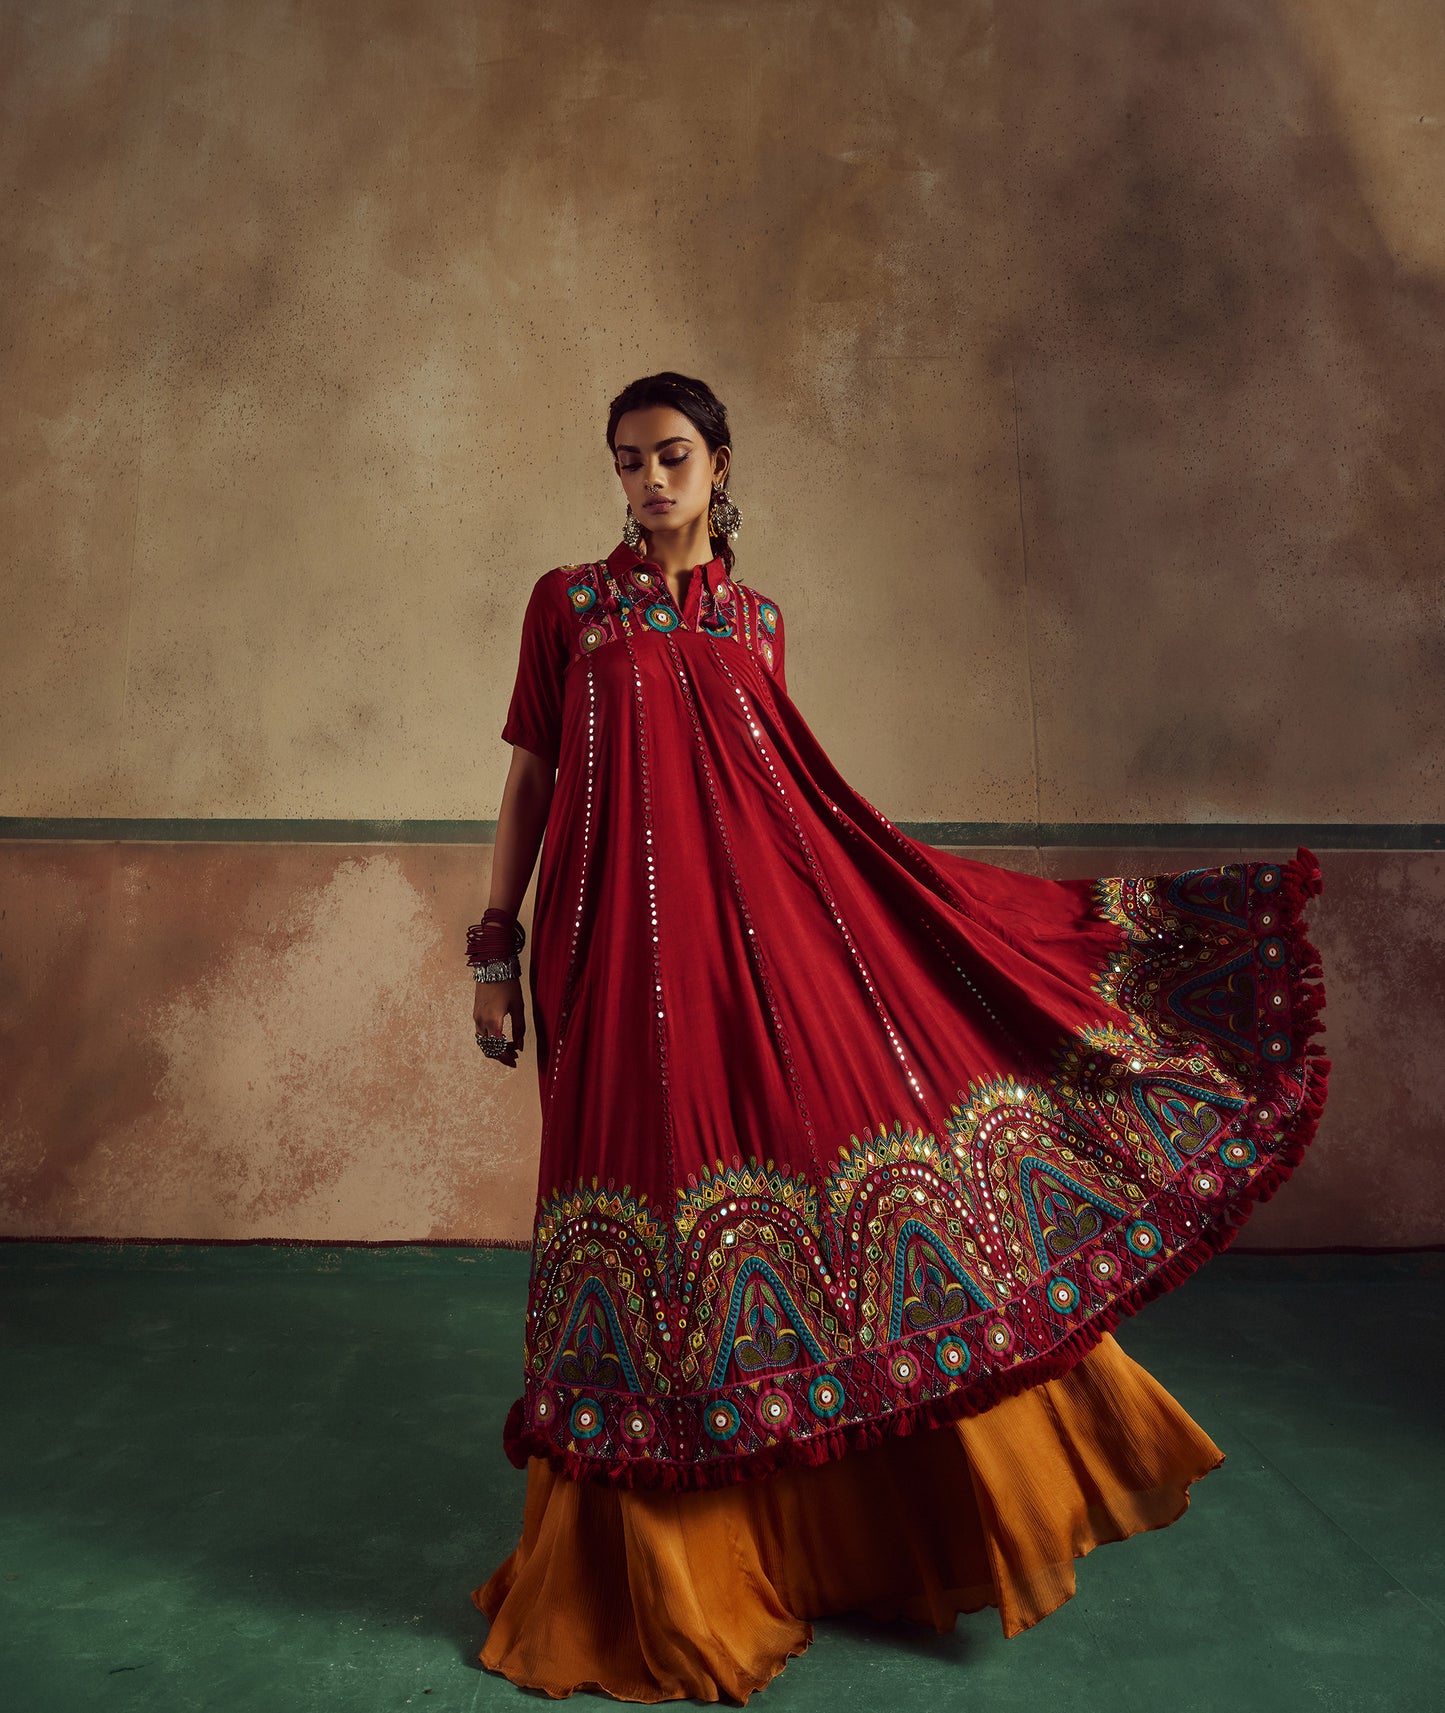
{"type": "Point", "coordinates": [661, 457]}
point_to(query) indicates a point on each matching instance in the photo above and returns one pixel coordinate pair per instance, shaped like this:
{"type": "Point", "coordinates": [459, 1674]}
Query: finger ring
{"type": "Point", "coordinates": [494, 1046]}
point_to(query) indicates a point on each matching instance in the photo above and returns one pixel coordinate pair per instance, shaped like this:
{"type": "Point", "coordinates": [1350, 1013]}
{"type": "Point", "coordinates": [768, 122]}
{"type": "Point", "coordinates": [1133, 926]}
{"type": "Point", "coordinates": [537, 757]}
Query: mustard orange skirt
{"type": "Point", "coordinates": [658, 1596]}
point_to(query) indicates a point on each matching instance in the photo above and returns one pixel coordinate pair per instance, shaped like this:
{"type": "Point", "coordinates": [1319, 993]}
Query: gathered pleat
{"type": "Point", "coordinates": [650, 1596]}
{"type": "Point", "coordinates": [656, 1596]}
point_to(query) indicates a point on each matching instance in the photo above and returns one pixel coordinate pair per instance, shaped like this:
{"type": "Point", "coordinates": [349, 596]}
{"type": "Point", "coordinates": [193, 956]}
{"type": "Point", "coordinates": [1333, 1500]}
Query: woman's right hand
{"type": "Point", "coordinates": [496, 1001]}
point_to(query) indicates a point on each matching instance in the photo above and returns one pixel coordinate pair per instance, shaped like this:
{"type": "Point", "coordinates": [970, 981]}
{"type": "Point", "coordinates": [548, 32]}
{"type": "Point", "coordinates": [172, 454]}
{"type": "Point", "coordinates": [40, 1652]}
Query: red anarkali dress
{"type": "Point", "coordinates": [853, 1154]}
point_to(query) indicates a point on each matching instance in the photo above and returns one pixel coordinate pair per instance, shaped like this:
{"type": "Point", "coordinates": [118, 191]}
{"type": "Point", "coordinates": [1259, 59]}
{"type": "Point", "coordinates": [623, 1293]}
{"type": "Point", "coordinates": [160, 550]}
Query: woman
{"type": "Point", "coordinates": [853, 1151]}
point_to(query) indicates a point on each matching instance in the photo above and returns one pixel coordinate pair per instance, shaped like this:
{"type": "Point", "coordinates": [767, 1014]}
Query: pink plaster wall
{"type": "Point", "coordinates": [275, 1041]}
{"type": "Point", "coordinates": [252, 1040]}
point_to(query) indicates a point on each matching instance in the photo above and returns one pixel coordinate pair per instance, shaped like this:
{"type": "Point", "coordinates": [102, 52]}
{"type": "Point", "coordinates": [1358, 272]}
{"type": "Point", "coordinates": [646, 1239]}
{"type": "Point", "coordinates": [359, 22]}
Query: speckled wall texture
{"type": "Point", "coordinates": [1087, 373]}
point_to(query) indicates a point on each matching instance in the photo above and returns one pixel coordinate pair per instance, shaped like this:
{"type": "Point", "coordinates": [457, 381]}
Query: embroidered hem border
{"type": "Point", "coordinates": [1293, 1131]}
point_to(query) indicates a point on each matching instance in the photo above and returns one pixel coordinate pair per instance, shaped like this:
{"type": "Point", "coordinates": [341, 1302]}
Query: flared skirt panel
{"type": "Point", "coordinates": [656, 1595]}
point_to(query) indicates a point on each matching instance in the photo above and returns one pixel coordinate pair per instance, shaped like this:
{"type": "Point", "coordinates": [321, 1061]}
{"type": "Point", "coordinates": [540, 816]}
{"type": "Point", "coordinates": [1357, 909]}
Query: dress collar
{"type": "Point", "coordinates": [714, 573]}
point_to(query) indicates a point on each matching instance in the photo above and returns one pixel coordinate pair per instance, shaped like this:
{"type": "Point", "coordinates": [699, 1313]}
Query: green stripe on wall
{"type": "Point", "coordinates": [1138, 835]}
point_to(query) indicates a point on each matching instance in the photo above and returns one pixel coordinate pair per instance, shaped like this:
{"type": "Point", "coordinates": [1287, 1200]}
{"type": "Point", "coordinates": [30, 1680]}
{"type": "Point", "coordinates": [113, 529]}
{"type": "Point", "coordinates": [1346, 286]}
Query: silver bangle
{"type": "Point", "coordinates": [496, 969]}
{"type": "Point", "coordinates": [499, 969]}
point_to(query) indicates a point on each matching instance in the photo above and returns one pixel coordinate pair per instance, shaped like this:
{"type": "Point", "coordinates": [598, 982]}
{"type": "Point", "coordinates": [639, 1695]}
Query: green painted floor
{"type": "Point", "coordinates": [266, 1478]}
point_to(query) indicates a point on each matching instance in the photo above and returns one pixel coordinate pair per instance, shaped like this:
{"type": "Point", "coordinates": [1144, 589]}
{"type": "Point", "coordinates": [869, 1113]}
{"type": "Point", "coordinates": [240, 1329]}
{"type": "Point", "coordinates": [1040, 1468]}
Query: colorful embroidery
{"type": "Point", "coordinates": [929, 1269]}
{"type": "Point", "coordinates": [604, 601]}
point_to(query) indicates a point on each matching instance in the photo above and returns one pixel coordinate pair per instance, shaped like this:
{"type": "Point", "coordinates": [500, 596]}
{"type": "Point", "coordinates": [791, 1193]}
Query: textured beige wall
{"type": "Point", "coordinates": [1085, 362]}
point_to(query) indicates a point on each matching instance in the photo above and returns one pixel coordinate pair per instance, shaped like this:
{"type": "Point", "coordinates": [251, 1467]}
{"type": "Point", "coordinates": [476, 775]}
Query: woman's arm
{"type": "Point", "coordinates": [521, 821]}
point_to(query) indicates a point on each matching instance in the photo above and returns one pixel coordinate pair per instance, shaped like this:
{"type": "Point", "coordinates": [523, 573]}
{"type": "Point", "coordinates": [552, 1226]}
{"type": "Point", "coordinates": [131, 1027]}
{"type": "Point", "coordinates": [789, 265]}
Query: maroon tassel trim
{"type": "Point", "coordinates": [1300, 881]}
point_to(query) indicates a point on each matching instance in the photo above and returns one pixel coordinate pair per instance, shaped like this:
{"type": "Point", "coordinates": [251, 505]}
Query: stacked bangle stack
{"type": "Point", "coordinates": [493, 944]}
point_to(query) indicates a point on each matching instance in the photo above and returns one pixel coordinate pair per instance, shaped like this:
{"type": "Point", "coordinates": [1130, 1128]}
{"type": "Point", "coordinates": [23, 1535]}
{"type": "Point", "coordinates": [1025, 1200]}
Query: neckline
{"type": "Point", "coordinates": [625, 561]}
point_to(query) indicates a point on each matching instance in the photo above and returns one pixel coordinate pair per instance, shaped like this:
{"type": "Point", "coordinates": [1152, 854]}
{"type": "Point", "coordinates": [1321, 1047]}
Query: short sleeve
{"type": "Point", "coordinates": [534, 716]}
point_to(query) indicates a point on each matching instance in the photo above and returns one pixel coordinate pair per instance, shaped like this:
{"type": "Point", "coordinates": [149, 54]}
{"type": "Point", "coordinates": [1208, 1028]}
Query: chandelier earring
{"type": "Point", "coordinates": [632, 532]}
{"type": "Point", "coordinates": [723, 517]}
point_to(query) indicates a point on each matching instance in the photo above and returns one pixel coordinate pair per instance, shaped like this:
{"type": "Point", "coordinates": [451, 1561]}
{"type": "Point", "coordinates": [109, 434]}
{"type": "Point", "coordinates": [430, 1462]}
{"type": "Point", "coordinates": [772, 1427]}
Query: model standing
{"type": "Point", "coordinates": [853, 1151]}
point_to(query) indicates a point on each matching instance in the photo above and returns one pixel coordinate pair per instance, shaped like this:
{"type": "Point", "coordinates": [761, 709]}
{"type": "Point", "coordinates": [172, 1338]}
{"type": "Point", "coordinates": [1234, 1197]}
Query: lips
{"type": "Point", "coordinates": [656, 505]}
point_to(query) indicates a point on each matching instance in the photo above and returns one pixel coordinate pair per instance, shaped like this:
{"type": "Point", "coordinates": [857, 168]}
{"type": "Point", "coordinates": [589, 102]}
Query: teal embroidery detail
{"type": "Point", "coordinates": [721, 1419]}
{"type": "Point", "coordinates": [594, 1351]}
{"type": "Point", "coordinates": [922, 1295]}
{"type": "Point", "coordinates": [951, 1355]}
{"type": "Point", "coordinates": [1143, 1237]}
{"type": "Point", "coordinates": [826, 1395]}
{"type": "Point", "coordinates": [775, 1330]}
{"type": "Point", "coordinates": [586, 1418]}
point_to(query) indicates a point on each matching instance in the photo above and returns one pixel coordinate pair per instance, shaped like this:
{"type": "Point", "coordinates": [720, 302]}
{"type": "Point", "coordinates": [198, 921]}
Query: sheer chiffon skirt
{"type": "Point", "coordinates": [659, 1596]}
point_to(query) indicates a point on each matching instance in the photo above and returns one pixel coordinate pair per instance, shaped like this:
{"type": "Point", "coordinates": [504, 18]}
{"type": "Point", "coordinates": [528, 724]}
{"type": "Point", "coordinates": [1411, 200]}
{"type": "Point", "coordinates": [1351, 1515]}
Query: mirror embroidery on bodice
{"type": "Point", "coordinates": [609, 604]}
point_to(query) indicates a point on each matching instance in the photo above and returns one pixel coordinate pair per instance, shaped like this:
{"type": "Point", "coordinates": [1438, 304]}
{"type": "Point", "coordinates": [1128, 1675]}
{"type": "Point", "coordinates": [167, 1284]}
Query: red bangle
{"type": "Point", "coordinates": [498, 935]}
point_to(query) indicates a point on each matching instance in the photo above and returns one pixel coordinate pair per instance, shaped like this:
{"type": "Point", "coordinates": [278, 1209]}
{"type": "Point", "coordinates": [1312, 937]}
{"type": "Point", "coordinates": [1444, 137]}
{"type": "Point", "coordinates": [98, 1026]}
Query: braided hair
{"type": "Point", "coordinates": [698, 403]}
